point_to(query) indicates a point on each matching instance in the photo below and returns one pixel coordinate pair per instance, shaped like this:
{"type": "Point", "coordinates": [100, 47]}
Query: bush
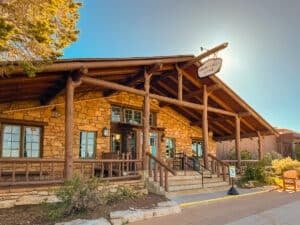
{"type": "Point", "coordinates": [297, 152]}
{"type": "Point", "coordinates": [281, 165]}
{"type": "Point", "coordinates": [245, 154]}
{"type": "Point", "coordinates": [79, 195]}
{"type": "Point", "coordinates": [269, 157]}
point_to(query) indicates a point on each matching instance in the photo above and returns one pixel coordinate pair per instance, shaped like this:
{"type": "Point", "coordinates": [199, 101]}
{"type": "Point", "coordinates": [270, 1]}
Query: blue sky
{"type": "Point", "coordinates": [260, 63]}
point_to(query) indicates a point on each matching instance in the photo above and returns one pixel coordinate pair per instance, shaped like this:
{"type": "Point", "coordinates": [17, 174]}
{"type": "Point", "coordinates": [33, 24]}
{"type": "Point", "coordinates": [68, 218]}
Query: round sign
{"type": "Point", "coordinates": [210, 67]}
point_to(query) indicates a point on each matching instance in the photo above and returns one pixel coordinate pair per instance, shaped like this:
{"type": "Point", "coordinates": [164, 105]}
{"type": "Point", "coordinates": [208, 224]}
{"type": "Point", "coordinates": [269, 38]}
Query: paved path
{"type": "Point", "coordinates": [272, 208]}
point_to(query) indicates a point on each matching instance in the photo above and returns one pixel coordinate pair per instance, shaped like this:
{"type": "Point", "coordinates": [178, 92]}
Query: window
{"type": "Point", "coordinates": [116, 114]}
{"type": "Point", "coordinates": [130, 116]}
{"type": "Point", "coordinates": [197, 148]}
{"type": "Point", "coordinates": [170, 147]}
{"type": "Point", "coordinates": [87, 144]}
{"type": "Point", "coordinates": [21, 141]}
{"type": "Point", "coordinates": [115, 142]}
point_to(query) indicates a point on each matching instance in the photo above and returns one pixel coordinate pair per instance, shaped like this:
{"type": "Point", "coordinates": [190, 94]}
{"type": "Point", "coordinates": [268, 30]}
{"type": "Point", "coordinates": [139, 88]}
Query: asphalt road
{"type": "Point", "coordinates": [272, 208]}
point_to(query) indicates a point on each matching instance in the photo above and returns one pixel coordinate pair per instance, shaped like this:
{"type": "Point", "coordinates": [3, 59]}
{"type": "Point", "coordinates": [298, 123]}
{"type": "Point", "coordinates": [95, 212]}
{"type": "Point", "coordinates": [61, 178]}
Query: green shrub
{"type": "Point", "coordinates": [269, 157]}
{"type": "Point", "coordinates": [79, 195]}
{"type": "Point", "coordinates": [297, 152]}
{"type": "Point", "coordinates": [245, 154]}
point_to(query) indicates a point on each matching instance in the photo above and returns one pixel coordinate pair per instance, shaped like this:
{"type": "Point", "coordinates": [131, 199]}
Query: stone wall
{"type": "Point", "coordinates": [92, 113]}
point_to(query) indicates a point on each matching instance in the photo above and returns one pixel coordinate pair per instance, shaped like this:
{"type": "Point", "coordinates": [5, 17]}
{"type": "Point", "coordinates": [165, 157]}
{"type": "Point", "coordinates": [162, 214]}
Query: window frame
{"type": "Point", "coordinates": [174, 151]}
{"type": "Point", "coordinates": [22, 145]}
{"type": "Point", "coordinates": [95, 144]}
{"type": "Point", "coordinates": [152, 119]}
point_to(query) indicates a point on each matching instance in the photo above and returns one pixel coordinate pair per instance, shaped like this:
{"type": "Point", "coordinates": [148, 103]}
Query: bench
{"type": "Point", "coordinates": [290, 178]}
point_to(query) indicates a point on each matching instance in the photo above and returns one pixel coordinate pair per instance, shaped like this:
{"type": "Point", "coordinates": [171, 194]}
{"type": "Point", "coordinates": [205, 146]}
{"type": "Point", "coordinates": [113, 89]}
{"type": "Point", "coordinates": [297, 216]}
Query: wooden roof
{"type": "Point", "coordinates": [129, 71]}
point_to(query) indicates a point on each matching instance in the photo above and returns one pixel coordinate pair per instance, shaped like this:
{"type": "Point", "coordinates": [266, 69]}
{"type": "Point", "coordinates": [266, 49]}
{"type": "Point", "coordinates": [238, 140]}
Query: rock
{"type": "Point", "coordinates": [116, 222]}
{"type": "Point", "coordinates": [31, 199]}
{"type": "Point", "coordinates": [7, 204]}
{"type": "Point", "coordinates": [100, 221]}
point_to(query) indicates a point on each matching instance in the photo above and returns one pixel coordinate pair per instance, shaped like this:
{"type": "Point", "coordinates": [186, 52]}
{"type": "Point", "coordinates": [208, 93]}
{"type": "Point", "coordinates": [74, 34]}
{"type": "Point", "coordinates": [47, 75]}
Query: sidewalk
{"type": "Point", "coordinates": [215, 195]}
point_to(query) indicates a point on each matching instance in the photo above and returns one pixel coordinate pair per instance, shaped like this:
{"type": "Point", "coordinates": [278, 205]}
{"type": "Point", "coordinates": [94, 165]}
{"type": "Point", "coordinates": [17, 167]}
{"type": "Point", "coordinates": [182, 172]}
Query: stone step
{"type": "Point", "coordinates": [197, 186]}
{"type": "Point", "coordinates": [196, 191]}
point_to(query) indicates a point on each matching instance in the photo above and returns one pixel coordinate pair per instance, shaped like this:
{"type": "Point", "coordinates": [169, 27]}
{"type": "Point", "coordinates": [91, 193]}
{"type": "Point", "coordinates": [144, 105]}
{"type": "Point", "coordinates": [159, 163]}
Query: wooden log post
{"type": "Point", "coordinates": [237, 141]}
{"type": "Point", "coordinates": [146, 119]}
{"type": "Point", "coordinates": [259, 140]}
{"type": "Point", "coordinates": [205, 128]}
{"type": "Point", "coordinates": [71, 84]}
{"type": "Point", "coordinates": [179, 72]}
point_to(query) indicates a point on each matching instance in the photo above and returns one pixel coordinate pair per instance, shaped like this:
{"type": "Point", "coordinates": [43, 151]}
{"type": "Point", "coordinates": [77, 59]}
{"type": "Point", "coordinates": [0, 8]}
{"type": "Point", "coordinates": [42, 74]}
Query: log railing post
{"type": "Point", "coordinates": [161, 179]}
{"type": "Point", "coordinates": [155, 171]}
{"type": "Point", "coordinates": [237, 141]}
{"type": "Point", "coordinates": [259, 145]}
{"type": "Point", "coordinates": [205, 127]}
{"type": "Point", "coordinates": [166, 181]}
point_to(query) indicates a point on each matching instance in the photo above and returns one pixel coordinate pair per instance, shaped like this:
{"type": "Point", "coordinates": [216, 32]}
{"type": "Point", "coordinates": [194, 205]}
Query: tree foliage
{"type": "Point", "coordinates": [34, 31]}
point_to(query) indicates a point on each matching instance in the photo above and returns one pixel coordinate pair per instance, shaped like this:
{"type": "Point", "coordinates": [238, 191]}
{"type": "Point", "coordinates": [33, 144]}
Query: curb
{"type": "Point", "coordinates": [222, 198]}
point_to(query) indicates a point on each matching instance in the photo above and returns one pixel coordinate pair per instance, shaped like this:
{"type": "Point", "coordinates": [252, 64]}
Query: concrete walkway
{"type": "Point", "coordinates": [189, 199]}
{"type": "Point", "coordinates": [283, 215]}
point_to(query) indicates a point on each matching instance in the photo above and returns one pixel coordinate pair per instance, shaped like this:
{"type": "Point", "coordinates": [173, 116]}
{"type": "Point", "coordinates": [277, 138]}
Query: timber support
{"type": "Point", "coordinates": [238, 140]}
{"type": "Point", "coordinates": [205, 127]}
{"type": "Point", "coordinates": [72, 82]}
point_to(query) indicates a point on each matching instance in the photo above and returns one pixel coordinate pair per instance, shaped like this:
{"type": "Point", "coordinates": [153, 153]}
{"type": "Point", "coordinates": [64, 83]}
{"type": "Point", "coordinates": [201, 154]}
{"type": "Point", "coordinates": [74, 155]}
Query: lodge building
{"type": "Point", "coordinates": [117, 117]}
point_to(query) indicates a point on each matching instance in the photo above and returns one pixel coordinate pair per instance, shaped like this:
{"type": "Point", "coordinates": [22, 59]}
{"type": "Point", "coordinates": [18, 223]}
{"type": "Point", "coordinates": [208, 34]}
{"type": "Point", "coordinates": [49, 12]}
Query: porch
{"type": "Point", "coordinates": [201, 109]}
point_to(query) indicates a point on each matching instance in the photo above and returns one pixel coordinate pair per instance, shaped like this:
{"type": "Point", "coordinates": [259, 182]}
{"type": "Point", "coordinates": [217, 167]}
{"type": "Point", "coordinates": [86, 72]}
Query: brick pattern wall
{"type": "Point", "coordinates": [92, 113]}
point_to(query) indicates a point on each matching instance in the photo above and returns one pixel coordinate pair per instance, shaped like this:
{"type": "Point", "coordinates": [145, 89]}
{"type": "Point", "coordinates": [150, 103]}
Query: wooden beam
{"type": "Point", "coordinates": [53, 91]}
{"type": "Point", "coordinates": [205, 128]}
{"type": "Point", "coordinates": [138, 78]}
{"type": "Point", "coordinates": [244, 105]}
{"type": "Point", "coordinates": [146, 119]}
{"type": "Point", "coordinates": [193, 94]}
{"type": "Point", "coordinates": [204, 55]}
{"type": "Point", "coordinates": [237, 141]}
{"type": "Point", "coordinates": [111, 85]}
{"type": "Point", "coordinates": [248, 135]}
{"type": "Point", "coordinates": [213, 88]}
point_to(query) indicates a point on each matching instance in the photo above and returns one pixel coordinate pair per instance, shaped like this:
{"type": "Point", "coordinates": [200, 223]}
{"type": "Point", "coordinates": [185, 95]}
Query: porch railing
{"type": "Point", "coordinates": [31, 171]}
{"type": "Point", "coordinates": [51, 171]}
{"type": "Point", "coordinates": [157, 167]}
{"type": "Point", "coordinates": [243, 165]}
{"type": "Point", "coordinates": [219, 167]}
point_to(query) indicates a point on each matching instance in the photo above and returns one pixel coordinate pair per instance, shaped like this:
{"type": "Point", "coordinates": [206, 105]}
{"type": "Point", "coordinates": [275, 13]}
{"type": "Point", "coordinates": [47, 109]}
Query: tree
{"type": "Point", "coordinates": [34, 32]}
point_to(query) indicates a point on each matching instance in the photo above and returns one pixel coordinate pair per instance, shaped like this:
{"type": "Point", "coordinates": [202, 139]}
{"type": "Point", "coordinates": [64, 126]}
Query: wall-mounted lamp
{"type": "Point", "coordinates": [105, 132]}
{"type": "Point", "coordinates": [54, 112]}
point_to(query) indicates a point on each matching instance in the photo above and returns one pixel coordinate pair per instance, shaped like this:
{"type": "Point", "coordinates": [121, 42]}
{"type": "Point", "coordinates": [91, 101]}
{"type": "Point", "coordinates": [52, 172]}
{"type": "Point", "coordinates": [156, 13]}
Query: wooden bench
{"type": "Point", "coordinates": [291, 179]}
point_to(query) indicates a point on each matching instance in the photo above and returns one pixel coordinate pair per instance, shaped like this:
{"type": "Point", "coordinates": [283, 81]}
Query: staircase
{"type": "Point", "coordinates": [194, 178]}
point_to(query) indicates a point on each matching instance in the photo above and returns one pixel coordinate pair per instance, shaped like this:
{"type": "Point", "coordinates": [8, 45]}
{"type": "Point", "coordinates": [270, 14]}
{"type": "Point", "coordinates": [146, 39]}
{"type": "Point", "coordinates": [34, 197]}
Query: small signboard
{"type": "Point", "coordinates": [232, 173]}
{"type": "Point", "coordinates": [210, 67]}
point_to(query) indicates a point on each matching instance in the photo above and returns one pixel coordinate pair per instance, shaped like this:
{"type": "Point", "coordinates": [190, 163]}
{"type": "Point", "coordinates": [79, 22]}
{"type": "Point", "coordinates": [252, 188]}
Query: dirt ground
{"type": "Point", "coordinates": [37, 215]}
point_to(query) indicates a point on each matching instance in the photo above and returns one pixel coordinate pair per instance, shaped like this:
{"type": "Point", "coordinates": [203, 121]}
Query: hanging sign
{"type": "Point", "coordinates": [232, 173]}
{"type": "Point", "coordinates": [210, 67]}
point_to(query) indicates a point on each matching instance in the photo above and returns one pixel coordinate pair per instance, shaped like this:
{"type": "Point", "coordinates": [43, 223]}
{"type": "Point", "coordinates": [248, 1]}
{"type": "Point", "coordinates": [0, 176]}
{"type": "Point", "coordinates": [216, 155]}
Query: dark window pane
{"type": "Point", "coordinates": [116, 114]}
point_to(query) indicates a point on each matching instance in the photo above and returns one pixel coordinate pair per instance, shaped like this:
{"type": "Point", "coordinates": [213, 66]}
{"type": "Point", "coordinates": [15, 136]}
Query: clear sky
{"type": "Point", "coordinates": [261, 63]}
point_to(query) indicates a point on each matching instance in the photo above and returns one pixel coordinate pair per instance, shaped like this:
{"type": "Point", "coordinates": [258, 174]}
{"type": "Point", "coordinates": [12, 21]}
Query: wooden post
{"type": "Point", "coordinates": [179, 83]}
{"type": "Point", "coordinates": [69, 113]}
{"type": "Point", "coordinates": [205, 127]}
{"type": "Point", "coordinates": [146, 118]}
{"type": "Point", "coordinates": [238, 140]}
{"type": "Point", "coordinates": [259, 140]}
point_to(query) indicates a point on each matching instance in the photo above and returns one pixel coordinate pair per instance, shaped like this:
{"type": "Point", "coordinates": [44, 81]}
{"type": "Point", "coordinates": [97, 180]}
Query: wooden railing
{"type": "Point", "coordinates": [50, 171]}
{"type": "Point", "coordinates": [31, 171]}
{"type": "Point", "coordinates": [157, 167]}
{"type": "Point", "coordinates": [109, 169]}
{"type": "Point", "coordinates": [219, 167]}
{"type": "Point", "coordinates": [243, 165]}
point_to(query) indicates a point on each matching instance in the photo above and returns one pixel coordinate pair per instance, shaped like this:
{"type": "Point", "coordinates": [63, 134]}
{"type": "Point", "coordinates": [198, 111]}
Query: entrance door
{"type": "Point", "coordinates": [153, 146]}
{"type": "Point", "coordinates": [197, 148]}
